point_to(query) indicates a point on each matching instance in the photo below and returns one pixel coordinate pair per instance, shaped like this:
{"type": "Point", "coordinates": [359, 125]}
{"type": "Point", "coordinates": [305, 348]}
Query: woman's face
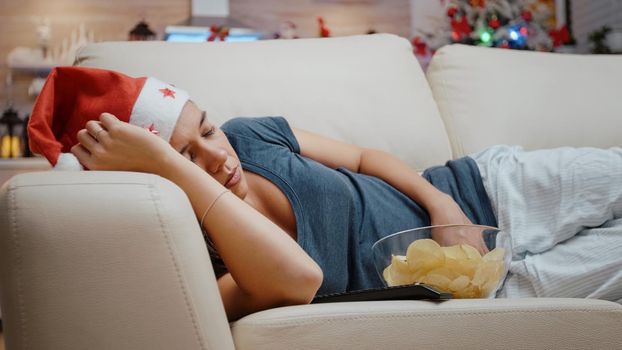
{"type": "Point", "coordinates": [207, 146]}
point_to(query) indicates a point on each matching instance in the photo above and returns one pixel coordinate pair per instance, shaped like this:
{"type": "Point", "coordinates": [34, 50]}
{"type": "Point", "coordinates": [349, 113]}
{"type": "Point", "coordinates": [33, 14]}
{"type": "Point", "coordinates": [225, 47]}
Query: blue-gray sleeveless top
{"type": "Point", "coordinates": [339, 213]}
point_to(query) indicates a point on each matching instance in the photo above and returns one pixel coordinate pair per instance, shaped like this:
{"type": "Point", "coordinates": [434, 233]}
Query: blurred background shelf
{"type": "Point", "coordinates": [14, 166]}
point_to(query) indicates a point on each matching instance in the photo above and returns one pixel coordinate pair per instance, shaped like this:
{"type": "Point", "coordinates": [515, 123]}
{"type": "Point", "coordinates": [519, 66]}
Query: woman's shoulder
{"type": "Point", "coordinates": [271, 129]}
{"type": "Point", "coordinates": [250, 124]}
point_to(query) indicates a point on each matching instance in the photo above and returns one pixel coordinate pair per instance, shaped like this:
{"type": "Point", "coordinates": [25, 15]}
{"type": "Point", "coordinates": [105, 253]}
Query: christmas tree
{"type": "Point", "coordinates": [513, 24]}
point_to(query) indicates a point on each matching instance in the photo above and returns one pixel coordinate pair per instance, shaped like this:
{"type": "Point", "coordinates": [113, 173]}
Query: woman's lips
{"type": "Point", "coordinates": [234, 179]}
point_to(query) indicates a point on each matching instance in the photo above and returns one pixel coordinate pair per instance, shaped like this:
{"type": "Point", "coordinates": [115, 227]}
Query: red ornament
{"type": "Point", "coordinates": [527, 16]}
{"type": "Point", "coordinates": [324, 31]}
{"type": "Point", "coordinates": [478, 3]}
{"type": "Point", "coordinates": [451, 12]}
{"type": "Point", "coordinates": [166, 92]}
{"type": "Point", "coordinates": [461, 28]}
{"type": "Point", "coordinates": [505, 45]}
{"type": "Point", "coordinates": [421, 48]}
{"type": "Point", "coordinates": [560, 36]}
{"type": "Point", "coordinates": [494, 23]}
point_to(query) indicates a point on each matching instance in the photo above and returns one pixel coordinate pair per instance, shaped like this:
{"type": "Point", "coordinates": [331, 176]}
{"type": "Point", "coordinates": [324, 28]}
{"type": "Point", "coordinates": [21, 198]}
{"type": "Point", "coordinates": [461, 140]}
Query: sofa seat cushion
{"type": "Point", "coordinates": [455, 324]}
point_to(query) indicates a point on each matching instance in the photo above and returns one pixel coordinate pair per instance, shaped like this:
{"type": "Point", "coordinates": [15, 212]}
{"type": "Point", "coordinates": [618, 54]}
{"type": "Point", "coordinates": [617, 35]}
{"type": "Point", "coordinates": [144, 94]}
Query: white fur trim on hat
{"type": "Point", "coordinates": [69, 162]}
{"type": "Point", "coordinates": [158, 107]}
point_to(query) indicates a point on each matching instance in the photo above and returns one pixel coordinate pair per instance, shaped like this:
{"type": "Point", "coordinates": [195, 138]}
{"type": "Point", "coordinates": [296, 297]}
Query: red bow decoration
{"type": "Point", "coordinates": [218, 33]}
{"type": "Point", "coordinates": [560, 36]}
{"type": "Point", "coordinates": [421, 48]}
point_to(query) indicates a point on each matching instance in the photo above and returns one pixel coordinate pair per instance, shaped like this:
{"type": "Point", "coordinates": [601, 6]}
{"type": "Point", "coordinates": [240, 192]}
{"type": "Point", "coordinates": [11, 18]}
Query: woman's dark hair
{"type": "Point", "coordinates": [217, 263]}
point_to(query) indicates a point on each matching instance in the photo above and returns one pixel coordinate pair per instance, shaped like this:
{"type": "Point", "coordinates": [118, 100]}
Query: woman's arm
{"type": "Point", "coordinates": [440, 206]}
{"type": "Point", "coordinates": [267, 267]}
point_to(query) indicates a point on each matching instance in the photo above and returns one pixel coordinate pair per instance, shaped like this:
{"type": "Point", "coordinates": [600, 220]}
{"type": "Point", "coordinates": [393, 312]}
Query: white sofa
{"type": "Point", "coordinates": [114, 260]}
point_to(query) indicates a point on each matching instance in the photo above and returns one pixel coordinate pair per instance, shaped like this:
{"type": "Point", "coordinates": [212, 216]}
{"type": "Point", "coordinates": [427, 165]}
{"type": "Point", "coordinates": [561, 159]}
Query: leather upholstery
{"type": "Point", "coordinates": [112, 260]}
{"type": "Point", "coordinates": [366, 90]}
{"type": "Point", "coordinates": [536, 100]}
{"type": "Point", "coordinates": [454, 324]}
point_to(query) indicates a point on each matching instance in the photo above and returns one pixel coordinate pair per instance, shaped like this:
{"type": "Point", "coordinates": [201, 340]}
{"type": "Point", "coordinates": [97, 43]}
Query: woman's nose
{"type": "Point", "coordinates": [213, 157]}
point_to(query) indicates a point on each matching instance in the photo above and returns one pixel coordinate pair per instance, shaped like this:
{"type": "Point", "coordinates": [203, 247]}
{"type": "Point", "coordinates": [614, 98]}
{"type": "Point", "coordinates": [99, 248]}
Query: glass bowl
{"type": "Point", "coordinates": [411, 256]}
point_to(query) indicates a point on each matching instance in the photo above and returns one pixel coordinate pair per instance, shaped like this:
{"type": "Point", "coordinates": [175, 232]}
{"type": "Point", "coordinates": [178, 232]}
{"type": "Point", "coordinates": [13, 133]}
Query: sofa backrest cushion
{"type": "Point", "coordinates": [367, 90]}
{"type": "Point", "coordinates": [537, 100]}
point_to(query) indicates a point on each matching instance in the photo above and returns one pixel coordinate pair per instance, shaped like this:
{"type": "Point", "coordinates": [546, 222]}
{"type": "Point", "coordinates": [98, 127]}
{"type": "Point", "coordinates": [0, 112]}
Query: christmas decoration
{"type": "Point", "coordinates": [74, 95]}
{"type": "Point", "coordinates": [287, 30]}
{"type": "Point", "coordinates": [10, 141]}
{"type": "Point", "coordinates": [324, 32]}
{"type": "Point", "coordinates": [512, 24]}
{"type": "Point", "coordinates": [598, 40]}
{"type": "Point", "coordinates": [141, 32]}
{"type": "Point", "coordinates": [218, 33]}
{"type": "Point", "coordinates": [560, 36]}
{"type": "Point", "coordinates": [422, 51]}
{"type": "Point", "coordinates": [46, 57]}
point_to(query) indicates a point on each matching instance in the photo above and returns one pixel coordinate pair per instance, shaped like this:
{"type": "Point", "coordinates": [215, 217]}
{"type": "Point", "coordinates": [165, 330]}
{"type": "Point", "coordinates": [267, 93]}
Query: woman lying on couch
{"type": "Point", "coordinates": [289, 214]}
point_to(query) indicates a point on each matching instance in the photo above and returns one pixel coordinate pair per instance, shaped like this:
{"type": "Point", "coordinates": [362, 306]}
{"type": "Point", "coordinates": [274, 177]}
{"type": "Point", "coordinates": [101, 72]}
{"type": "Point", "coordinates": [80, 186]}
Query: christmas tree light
{"type": "Point", "coordinates": [515, 24]}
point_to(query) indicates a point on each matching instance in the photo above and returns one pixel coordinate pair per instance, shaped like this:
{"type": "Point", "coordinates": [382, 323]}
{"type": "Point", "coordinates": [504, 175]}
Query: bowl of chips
{"type": "Point", "coordinates": [412, 256]}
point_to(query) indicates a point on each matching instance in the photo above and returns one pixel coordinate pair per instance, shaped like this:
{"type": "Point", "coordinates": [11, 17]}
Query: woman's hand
{"type": "Point", "coordinates": [447, 212]}
{"type": "Point", "coordinates": [110, 144]}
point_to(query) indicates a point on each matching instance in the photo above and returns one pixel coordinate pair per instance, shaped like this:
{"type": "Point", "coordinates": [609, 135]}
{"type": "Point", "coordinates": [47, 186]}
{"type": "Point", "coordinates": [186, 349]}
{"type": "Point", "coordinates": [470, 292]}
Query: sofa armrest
{"type": "Point", "coordinates": [459, 324]}
{"type": "Point", "coordinates": [111, 260]}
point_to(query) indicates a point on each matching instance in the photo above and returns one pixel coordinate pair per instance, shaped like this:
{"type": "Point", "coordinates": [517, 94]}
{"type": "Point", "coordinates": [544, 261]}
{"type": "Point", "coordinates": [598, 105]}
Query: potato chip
{"type": "Point", "coordinates": [470, 291]}
{"type": "Point", "coordinates": [488, 287]}
{"type": "Point", "coordinates": [454, 252]}
{"type": "Point", "coordinates": [400, 272]}
{"type": "Point", "coordinates": [387, 276]}
{"type": "Point", "coordinates": [496, 254]}
{"type": "Point", "coordinates": [436, 280]}
{"type": "Point", "coordinates": [399, 264]}
{"type": "Point", "coordinates": [470, 252]}
{"type": "Point", "coordinates": [463, 267]}
{"type": "Point", "coordinates": [444, 271]}
{"type": "Point", "coordinates": [459, 283]}
{"type": "Point", "coordinates": [424, 254]}
{"type": "Point", "coordinates": [487, 271]}
{"type": "Point", "coordinates": [459, 269]}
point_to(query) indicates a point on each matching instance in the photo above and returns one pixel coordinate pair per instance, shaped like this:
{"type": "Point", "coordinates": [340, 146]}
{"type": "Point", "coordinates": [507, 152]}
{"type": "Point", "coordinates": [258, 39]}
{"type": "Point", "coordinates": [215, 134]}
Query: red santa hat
{"type": "Point", "coordinates": [72, 96]}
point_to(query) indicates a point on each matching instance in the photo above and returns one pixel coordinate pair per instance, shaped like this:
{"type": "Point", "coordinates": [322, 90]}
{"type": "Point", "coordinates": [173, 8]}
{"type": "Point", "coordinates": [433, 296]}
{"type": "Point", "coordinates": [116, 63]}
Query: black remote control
{"type": "Point", "coordinates": [417, 291]}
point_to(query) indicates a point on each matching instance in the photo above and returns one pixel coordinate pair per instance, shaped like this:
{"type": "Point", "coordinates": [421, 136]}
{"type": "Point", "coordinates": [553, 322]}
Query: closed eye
{"type": "Point", "coordinates": [209, 132]}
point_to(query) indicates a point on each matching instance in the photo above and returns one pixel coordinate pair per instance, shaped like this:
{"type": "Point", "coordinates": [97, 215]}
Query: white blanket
{"type": "Point", "coordinates": [563, 209]}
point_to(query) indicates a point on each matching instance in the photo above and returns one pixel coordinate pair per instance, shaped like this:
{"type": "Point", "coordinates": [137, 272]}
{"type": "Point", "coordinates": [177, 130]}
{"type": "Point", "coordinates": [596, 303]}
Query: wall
{"type": "Point", "coordinates": [109, 19]}
{"type": "Point", "coordinates": [113, 19]}
{"type": "Point", "coordinates": [590, 15]}
{"type": "Point", "coordinates": [343, 17]}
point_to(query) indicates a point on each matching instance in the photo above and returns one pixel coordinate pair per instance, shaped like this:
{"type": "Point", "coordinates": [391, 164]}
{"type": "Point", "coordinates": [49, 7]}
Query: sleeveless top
{"type": "Point", "coordinates": [340, 214]}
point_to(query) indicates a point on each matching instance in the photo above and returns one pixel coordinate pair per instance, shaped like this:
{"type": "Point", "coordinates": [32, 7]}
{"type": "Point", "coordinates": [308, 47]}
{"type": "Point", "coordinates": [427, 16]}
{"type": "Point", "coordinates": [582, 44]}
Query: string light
{"type": "Point", "coordinates": [486, 37]}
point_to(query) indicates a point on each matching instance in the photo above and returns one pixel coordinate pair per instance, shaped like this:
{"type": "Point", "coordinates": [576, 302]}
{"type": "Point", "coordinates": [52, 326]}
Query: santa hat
{"type": "Point", "coordinates": [72, 96]}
